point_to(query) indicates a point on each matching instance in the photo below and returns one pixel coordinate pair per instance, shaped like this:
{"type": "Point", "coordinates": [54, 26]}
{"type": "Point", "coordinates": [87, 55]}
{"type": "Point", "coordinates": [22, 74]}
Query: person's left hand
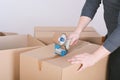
{"type": "Point", "coordinates": [85, 59]}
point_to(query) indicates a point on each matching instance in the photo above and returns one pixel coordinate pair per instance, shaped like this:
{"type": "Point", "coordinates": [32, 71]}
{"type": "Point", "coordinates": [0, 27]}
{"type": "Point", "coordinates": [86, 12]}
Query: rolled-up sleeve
{"type": "Point", "coordinates": [113, 41]}
{"type": "Point", "coordinates": [90, 8]}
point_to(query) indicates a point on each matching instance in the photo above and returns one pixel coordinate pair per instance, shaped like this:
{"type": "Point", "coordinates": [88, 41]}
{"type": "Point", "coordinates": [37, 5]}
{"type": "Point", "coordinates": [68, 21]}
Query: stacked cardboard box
{"type": "Point", "coordinates": [7, 33]}
{"type": "Point", "coordinates": [43, 64]}
{"type": "Point", "coordinates": [45, 34]}
{"type": "Point", "coordinates": [10, 49]}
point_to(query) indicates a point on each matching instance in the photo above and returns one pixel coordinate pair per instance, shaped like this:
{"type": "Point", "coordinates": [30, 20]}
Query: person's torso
{"type": "Point", "coordinates": [112, 3]}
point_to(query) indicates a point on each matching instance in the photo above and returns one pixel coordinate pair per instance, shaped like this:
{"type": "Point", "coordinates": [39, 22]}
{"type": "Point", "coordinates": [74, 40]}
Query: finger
{"type": "Point", "coordinates": [76, 62]}
{"type": "Point", "coordinates": [81, 55]}
{"type": "Point", "coordinates": [69, 60]}
{"type": "Point", "coordinates": [79, 58]}
{"type": "Point", "coordinates": [72, 41]}
{"type": "Point", "coordinates": [69, 37]}
{"type": "Point", "coordinates": [76, 59]}
{"type": "Point", "coordinates": [72, 59]}
{"type": "Point", "coordinates": [75, 42]}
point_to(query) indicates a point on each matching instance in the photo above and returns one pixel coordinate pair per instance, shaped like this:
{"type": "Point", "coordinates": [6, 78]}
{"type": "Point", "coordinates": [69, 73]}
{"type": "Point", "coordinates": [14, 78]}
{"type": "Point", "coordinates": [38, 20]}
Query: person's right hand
{"type": "Point", "coordinates": [74, 37]}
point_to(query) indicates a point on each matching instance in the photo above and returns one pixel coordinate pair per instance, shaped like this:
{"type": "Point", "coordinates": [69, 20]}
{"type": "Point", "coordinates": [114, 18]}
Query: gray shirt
{"type": "Point", "coordinates": [112, 20]}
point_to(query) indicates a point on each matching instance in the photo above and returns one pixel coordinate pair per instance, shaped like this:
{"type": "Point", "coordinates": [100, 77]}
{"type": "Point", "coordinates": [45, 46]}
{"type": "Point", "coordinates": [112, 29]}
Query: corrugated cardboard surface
{"type": "Point", "coordinates": [45, 34]}
{"type": "Point", "coordinates": [10, 49]}
{"type": "Point", "coordinates": [43, 64]}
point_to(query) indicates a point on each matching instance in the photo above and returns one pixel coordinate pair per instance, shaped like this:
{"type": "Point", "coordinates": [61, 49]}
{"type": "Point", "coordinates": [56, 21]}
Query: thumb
{"type": "Point", "coordinates": [72, 41]}
{"type": "Point", "coordinates": [75, 42]}
{"type": "Point", "coordinates": [69, 37]}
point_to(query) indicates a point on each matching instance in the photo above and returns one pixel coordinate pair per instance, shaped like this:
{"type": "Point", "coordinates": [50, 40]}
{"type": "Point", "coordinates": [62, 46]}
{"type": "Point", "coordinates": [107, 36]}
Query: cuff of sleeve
{"type": "Point", "coordinates": [109, 46]}
{"type": "Point", "coordinates": [88, 15]}
{"type": "Point", "coordinates": [89, 12]}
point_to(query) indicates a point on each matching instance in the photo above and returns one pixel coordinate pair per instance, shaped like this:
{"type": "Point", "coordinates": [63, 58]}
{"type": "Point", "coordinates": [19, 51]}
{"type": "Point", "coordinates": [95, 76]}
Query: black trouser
{"type": "Point", "coordinates": [114, 65]}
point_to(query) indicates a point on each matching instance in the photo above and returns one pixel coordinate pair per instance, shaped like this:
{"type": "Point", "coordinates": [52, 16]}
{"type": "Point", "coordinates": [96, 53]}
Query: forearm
{"type": "Point", "coordinates": [113, 41]}
{"type": "Point", "coordinates": [83, 22]}
{"type": "Point", "coordinates": [87, 14]}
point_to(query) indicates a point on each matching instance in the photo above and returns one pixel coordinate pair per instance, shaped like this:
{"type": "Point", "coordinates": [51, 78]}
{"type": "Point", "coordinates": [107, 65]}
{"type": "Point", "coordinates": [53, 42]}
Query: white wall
{"type": "Point", "coordinates": [22, 15]}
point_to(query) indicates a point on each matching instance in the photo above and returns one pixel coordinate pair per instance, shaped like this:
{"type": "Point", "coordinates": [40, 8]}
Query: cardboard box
{"type": "Point", "coordinates": [10, 49]}
{"type": "Point", "coordinates": [7, 33]}
{"type": "Point", "coordinates": [43, 64]}
{"type": "Point", "coordinates": [45, 34]}
{"type": "Point", "coordinates": [1, 34]}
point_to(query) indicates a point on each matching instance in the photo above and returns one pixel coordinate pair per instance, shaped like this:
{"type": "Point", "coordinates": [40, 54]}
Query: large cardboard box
{"type": "Point", "coordinates": [7, 33]}
{"type": "Point", "coordinates": [10, 49]}
{"type": "Point", "coordinates": [43, 64]}
{"type": "Point", "coordinates": [45, 34]}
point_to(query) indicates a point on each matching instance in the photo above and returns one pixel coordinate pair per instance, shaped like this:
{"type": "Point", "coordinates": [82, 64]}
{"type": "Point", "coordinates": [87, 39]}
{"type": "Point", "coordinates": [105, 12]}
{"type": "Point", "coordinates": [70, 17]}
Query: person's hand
{"type": "Point", "coordinates": [85, 59]}
{"type": "Point", "coordinates": [74, 37]}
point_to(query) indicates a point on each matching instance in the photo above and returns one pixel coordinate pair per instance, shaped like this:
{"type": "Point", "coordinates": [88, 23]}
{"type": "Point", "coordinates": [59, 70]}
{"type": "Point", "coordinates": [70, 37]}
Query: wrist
{"type": "Point", "coordinates": [101, 53]}
{"type": "Point", "coordinates": [78, 29]}
{"type": "Point", "coordinates": [77, 32]}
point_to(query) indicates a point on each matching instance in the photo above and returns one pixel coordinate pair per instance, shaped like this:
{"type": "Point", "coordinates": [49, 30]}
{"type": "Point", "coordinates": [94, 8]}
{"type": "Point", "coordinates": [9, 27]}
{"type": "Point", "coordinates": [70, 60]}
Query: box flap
{"type": "Point", "coordinates": [10, 42]}
{"type": "Point", "coordinates": [33, 41]}
{"type": "Point", "coordinates": [2, 34]}
{"type": "Point", "coordinates": [18, 41]}
{"type": "Point", "coordinates": [7, 33]}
